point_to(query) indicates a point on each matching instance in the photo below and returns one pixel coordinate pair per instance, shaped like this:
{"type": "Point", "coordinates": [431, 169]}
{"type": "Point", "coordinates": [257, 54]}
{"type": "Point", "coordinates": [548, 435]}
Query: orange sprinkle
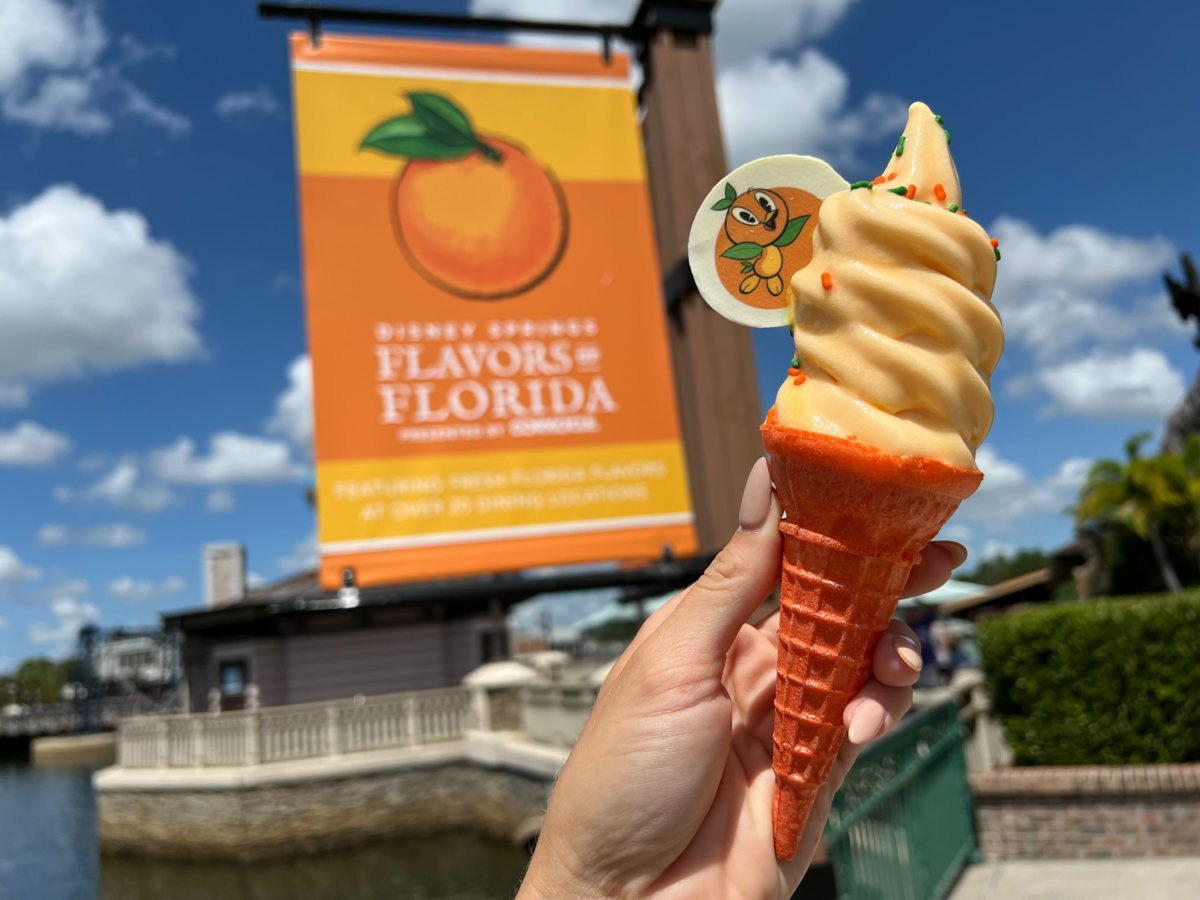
{"type": "Point", "coordinates": [826, 280]}
{"type": "Point", "coordinates": [962, 212]}
{"type": "Point", "coordinates": [877, 180]}
{"type": "Point", "coordinates": [793, 371]}
{"type": "Point", "coordinates": [995, 243]}
{"type": "Point", "coordinates": [891, 176]}
{"type": "Point", "coordinates": [799, 379]}
{"type": "Point", "coordinates": [939, 192]}
{"type": "Point", "coordinates": [912, 191]}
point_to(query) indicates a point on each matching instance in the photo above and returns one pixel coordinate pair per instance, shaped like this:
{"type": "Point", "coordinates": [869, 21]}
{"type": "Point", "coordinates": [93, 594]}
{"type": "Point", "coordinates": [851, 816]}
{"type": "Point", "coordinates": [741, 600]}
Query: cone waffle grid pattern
{"type": "Point", "coordinates": [829, 624]}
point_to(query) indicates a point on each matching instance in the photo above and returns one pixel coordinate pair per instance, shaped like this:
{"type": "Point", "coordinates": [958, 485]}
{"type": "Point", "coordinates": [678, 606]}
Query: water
{"type": "Point", "coordinates": [48, 852]}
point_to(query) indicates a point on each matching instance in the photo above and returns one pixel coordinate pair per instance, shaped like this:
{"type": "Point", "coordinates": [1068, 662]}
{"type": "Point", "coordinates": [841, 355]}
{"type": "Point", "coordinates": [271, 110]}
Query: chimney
{"type": "Point", "coordinates": [224, 574]}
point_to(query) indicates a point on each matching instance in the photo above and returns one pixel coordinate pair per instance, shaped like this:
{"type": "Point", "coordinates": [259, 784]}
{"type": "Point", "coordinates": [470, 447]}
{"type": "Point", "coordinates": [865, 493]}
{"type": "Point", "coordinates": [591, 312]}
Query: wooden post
{"type": "Point", "coordinates": [714, 359]}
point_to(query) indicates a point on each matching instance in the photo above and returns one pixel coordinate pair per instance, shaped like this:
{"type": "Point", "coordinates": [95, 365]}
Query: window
{"type": "Point", "coordinates": [233, 678]}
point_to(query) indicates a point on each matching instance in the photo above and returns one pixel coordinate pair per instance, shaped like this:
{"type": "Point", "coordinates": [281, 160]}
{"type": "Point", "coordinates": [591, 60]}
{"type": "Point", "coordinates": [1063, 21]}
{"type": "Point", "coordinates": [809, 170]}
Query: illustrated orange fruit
{"type": "Point", "coordinates": [475, 215]}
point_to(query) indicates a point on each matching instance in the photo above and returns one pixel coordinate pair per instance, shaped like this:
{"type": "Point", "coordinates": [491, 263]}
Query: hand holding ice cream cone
{"type": "Point", "coordinates": [669, 789]}
{"type": "Point", "coordinates": [872, 438]}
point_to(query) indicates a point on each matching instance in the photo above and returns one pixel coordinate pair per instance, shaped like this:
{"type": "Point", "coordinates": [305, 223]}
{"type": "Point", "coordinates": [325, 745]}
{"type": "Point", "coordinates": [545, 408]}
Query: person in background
{"type": "Point", "coordinates": [668, 791]}
{"type": "Point", "coordinates": [943, 650]}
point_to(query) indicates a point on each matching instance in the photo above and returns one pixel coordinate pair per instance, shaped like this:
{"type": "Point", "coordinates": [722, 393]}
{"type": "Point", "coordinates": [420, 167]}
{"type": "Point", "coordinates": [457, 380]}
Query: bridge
{"type": "Point", "coordinates": [43, 719]}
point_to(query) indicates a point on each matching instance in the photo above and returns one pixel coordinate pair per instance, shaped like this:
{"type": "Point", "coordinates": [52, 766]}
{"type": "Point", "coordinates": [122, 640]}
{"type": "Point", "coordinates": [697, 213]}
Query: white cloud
{"type": "Point", "coordinates": [93, 462]}
{"type": "Point", "coordinates": [14, 396]}
{"type": "Point", "coordinates": [138, 103]}
{"type": "Point", "coordinates": [53, 535]}
{"type": "Point", "coordinates": [303, 556]}
{"type": "Point", "coordinates": [1135, 384]}
{"type": "Point", "coordinates": [60, 103]}
{"type": "Point", "coordinates": [220, 500]}
{"type": "Point", "coordinates": [1054, 291]}
{"type": "Point", "coordinates": [1008, 494]}
{"type": "Point", "coordinates": [124, 487]}
{"type": "Point", "coordinates": [13, 570]}
{"type": "Point", "coordinates": [755, 44]}
{"type": "Point", "coordinates": [70, 614]}
{"type": "Point", "coordinates": [239, 103]}
{"type": "Point", "coordinates": [127, 588]}
{"type": "Point", "coordinates": [254, 580]}
{"type": "Point", "coordinates": [44, 34]}
{"type": "Point", "coordinates": [115, 536]}
{"type": "Point", "coordinates": [995, 549]}
{"type": "Point", "coordinates": [55, 73]}
{"type": "Point", "coordinates": [293, 415]}
{"type": "Point", "coordinates": [29, 444]}
{"type": "Point", "coordinates": [818, 121]}
{"type": "Point", "coordinates": [86, 289]}
{"type": "Point", "coordinates": [232, 457]}
{"type": "Point", "coordinates": [746, 29]}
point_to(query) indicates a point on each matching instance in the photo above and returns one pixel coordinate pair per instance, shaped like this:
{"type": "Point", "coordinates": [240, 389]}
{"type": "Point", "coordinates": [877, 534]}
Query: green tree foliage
{"type": "Point", "coordinates": [1002, 568]}
{"type": "Point", "coordinates": [38, 681]}
{"type": "Point", "coordinates": [1153, 497]}
{"type": "Point", "coordinates": [1108, 682]}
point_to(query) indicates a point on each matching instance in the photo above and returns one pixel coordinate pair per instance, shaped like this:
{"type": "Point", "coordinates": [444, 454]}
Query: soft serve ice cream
{"type": "Point", "coordinates": [896, 337]}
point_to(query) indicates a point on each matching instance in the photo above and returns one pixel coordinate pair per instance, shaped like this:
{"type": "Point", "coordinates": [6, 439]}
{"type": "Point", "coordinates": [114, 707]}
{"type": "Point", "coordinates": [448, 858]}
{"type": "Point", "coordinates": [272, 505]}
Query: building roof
{"type": "Point", "coordinates": [302, 593]}
{"type": "Point", "coordinates": [951, 593]}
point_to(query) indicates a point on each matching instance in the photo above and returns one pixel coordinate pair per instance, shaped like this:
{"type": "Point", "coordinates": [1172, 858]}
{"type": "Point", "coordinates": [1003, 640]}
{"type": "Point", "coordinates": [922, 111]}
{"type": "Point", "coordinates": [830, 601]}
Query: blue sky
{"type": "Point", "coordinates": [152, 383]}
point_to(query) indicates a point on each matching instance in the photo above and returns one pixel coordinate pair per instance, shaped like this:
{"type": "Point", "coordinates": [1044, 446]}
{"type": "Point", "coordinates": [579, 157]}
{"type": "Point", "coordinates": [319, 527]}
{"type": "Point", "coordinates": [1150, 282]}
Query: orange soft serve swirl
{"type": "Point", "coordinates": [894, 328]}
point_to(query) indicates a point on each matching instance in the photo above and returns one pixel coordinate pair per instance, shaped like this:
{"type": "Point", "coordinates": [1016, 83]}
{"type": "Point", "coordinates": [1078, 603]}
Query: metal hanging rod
{"type": "Point", "coordinates": [679, 15]}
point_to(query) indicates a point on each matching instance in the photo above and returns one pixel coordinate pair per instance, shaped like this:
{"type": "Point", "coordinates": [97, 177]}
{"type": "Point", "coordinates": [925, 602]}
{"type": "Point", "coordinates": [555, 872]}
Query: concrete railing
{"type": "Point", "coordinates": [983, 736]}
{"type": "Point", "coordinates": [300, 731]}
{"type": "Point", "coordinates": [555, 713]}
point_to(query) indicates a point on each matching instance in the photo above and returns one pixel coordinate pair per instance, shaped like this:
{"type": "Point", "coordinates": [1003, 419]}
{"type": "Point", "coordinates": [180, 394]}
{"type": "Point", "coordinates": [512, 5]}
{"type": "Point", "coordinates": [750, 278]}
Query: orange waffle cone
{"type": "Point", "coordinates": [856, 521]}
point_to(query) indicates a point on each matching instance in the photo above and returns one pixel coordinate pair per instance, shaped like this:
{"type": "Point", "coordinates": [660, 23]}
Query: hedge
{"type": "Point", "coordinates": [1105, 682]}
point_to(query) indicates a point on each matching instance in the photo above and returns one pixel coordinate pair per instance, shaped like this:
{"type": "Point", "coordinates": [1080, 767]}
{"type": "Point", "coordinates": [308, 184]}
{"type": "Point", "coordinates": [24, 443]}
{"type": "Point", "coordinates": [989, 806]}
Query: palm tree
{"type": "Point", "coordinates": [1143, 494]}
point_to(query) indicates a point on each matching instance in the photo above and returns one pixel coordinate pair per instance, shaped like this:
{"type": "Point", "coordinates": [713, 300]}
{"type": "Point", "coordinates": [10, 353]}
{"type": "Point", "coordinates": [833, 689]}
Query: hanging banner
{"type": "Point", "coordinates": [491, 378]}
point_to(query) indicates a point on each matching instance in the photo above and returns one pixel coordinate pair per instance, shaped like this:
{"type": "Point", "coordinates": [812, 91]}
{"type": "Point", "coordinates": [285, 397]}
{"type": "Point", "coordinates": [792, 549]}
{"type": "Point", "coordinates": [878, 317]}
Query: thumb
{"type": "Point", "coordinates": [712, 610]}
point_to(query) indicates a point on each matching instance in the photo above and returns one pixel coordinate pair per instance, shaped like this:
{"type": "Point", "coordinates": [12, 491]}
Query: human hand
{"type": "Point", "coordinates": [668, 791]}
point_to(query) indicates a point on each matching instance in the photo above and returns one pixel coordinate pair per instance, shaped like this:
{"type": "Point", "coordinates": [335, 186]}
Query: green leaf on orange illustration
{"type": "Point", "coordinates": [743, 250]}
{"type": "Point", "coordinates": [435, 129]}
{"type": "Point", "coordinates": [407, 136]}
{"type": "Point", "coordinates": [791, 232]}
{"type": "Point", "coordinates": [442, 116]}
{"type": "Point", "coordinates": [726, 201]}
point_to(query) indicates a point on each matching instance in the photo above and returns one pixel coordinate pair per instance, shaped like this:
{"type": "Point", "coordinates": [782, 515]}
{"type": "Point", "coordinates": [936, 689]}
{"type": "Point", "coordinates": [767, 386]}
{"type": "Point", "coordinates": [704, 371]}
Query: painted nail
{"type": "Point", "coordinates": [756, 499]}
{"type": "Point", "coordinates": [956, 551]}
{"type": "Point", "coordinates": [866, 723]}
{"type": "Point", "coordinates": [906, 648]}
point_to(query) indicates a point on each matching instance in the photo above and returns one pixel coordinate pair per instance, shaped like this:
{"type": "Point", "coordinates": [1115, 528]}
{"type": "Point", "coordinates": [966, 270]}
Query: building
{"type": "Point", "coordinates": [139, 659]}
{"type": "Point", "coordinates": [294, 642]}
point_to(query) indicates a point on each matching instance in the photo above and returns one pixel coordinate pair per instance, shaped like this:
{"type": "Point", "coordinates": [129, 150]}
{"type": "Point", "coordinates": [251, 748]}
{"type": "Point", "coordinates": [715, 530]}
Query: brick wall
{"type": "Point", "coordinates": [1088, 812]}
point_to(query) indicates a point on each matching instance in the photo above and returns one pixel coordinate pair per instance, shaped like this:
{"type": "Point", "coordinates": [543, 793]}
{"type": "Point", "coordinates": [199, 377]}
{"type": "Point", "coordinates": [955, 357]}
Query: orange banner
{"type": "Point", "coordinates": [491, 379]}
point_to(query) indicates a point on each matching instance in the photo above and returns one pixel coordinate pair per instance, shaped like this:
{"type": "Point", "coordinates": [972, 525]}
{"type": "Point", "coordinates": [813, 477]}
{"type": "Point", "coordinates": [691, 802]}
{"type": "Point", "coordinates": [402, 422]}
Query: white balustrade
{"type": "Point", "coordinates": [301, 731]}
{"type": "Point", "coordinates": [556, 713]}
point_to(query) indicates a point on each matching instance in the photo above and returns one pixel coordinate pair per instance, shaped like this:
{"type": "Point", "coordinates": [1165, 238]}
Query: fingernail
{"type": "Point", "coordinates": [866, 723]}
{"type": "Point", "coordinates": [756, 499]}
{"type": "Point", "coordinates": [956, 551]}
{"type": "Point", "coordinates": [906, 648]}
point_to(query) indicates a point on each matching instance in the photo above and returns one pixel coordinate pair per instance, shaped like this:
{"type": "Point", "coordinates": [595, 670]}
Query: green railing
{"type": "Point", "coordinates": [901, 826]}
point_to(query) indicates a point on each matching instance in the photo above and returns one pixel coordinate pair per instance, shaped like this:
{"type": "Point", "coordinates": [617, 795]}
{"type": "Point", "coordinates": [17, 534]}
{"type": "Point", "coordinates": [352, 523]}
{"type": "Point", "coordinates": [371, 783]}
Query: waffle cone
{"type": "Point", "coordinates": [856, 521]}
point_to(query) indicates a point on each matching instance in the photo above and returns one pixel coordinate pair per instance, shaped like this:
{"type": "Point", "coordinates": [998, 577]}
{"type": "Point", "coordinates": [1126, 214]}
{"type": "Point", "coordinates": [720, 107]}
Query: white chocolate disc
{"type": "Point", "coordinates": [754, 230]}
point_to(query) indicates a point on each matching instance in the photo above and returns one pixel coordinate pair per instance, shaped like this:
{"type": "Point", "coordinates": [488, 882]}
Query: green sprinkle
{"type": "Point", "coordinates": [900, 145]}
{"type": "Point", "coordinates": [900, 190]}
{"type": "Point", "coordinates": [953, 207]}
{"type": "Point", "coordinates": [860, 184]}
{"type": "Point", "coordinates": [795, 363]}
{"type": "Point", "coordinates": [947, 137]}
{"type": "Point", "coordinates": [938, 119]}
{"type": "Point", "coordinates": [997, 249]}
